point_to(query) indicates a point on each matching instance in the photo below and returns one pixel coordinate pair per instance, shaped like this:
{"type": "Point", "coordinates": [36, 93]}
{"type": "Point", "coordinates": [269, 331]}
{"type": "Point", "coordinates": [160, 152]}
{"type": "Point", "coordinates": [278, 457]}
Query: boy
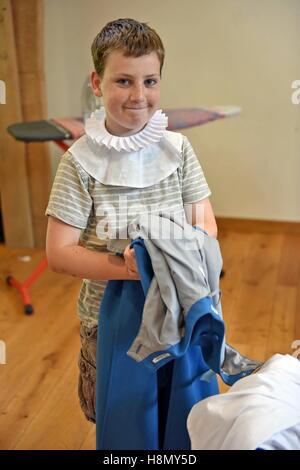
{"type": "Point", "coordinates": [108, 166]}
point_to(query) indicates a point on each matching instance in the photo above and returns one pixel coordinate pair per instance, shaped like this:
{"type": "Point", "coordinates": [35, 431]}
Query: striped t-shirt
{"type": "Point", "coordinates": [80, 200]}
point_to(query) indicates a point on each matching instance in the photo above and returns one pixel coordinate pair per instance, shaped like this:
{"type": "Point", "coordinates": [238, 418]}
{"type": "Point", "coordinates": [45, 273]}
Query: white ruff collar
{"type": "Point", "coordinates": [152, 132]}
{"type": "Point", "coordinates": [136, 161]}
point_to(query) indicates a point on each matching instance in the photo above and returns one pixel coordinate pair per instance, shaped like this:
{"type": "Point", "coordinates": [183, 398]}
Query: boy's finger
{"type": "Point", "coordinates": [125, 253]}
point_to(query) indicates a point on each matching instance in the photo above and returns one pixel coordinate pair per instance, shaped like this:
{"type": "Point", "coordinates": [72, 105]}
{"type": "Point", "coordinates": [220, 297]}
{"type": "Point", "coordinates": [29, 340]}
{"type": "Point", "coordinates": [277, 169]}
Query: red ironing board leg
{"type": "Point", "coordinates": [24, 287]}
{"type": "Point", "coordinates": [62, 144]}
{"type": "Point", "coordinates": [37, 272]}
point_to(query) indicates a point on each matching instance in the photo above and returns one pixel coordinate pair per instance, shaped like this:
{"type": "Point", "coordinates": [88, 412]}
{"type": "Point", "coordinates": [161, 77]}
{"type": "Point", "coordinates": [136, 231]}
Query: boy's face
{"type": "Point", "coordinates": [130, 90]}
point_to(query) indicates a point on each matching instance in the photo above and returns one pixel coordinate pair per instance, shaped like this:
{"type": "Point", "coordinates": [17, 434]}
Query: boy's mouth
{"type": "Point", "coordinates": [137, 109]}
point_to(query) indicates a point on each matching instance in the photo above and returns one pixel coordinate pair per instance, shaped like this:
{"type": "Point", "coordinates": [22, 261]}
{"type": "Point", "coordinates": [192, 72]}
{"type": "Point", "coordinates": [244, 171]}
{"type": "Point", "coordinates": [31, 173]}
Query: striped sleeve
{"type": "Point", "coordinates": [70, 200]}
{"type": "Point", "coordinates": [194, 185]}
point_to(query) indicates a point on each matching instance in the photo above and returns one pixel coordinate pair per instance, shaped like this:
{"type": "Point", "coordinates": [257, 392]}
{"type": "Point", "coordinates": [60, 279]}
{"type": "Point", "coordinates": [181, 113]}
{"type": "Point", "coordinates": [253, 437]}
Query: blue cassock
{"type": "Point", "coordinates": [144, 406]}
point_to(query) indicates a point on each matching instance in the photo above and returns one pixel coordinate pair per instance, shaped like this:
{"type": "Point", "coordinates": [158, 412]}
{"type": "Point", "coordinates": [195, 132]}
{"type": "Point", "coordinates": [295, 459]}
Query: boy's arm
{"type": "Point", "coordinates": [66, 256]}
{"type": "Point", "coordinates": [201, 214]}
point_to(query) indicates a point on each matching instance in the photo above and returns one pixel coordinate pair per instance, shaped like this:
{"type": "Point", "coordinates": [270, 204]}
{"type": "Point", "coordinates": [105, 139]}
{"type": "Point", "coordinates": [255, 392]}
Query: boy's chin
{"type": "Point", "coordinates": [136, 125]}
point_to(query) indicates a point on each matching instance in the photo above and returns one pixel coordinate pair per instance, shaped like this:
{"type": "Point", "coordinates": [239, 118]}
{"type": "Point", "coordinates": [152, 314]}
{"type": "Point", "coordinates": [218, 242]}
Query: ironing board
{"type": "Point", "coordinates": [61, 129]}
{"type": "Point", "coordinates": [58, 130]}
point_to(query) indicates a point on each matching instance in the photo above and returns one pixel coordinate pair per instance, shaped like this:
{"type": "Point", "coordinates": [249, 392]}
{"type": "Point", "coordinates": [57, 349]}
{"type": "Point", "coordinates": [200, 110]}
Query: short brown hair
{"type": "Point", "coordinates": [130, 36]}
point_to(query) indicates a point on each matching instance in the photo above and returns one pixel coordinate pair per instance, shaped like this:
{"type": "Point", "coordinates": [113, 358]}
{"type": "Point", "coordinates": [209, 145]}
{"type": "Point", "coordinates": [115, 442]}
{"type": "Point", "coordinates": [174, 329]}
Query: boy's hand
{"type": "Point", "coordinates": [130, 261]}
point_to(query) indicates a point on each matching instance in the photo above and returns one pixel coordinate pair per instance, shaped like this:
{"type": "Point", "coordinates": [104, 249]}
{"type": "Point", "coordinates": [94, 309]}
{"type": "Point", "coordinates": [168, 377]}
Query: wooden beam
{"type": "Point", "coordinates": [29, 36]}
{"type": "Point", "coordinates": [15, 201]}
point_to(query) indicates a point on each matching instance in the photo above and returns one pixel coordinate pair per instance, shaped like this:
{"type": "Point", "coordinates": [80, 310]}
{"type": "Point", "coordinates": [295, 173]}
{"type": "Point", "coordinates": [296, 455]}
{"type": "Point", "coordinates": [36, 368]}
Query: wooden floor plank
{"type": "Point", "coordinates": [41, 350]}
{"type": "Point", "coordinates": [249, 325]}
{"type": "Point", "coordinates": [289, 268]}
{"type": "Point", "coordinates": [283, 322]}
{"type": "Point", "coordinates": [234, 248]}
{"type": "Point", "coordinates": [59, 417]}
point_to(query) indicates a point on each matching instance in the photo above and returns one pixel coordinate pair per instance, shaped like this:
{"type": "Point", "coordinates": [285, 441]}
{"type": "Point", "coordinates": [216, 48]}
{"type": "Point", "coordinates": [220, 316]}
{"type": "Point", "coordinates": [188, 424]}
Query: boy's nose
{"type": "Point", "coordinates": [137, 93]}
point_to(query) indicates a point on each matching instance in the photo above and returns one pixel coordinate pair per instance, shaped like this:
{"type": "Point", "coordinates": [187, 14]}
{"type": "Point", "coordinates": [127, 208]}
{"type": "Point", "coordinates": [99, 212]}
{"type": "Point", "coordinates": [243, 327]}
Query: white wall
{"type": "Point", "coordinates": [243, 52]}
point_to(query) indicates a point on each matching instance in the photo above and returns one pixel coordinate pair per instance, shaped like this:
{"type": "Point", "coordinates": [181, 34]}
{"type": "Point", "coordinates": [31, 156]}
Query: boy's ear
{"type": "Point", "coordinates": [96, 83]}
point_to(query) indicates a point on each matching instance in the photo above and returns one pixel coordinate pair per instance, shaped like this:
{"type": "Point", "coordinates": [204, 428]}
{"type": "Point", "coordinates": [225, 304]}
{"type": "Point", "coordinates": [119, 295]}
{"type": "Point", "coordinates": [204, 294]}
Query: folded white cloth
{"type": "Point", "coordinates": [259, 411]}
{"type": "Point", "coordinates": [288, 439]}
{"type": "Point", "coordinates": [151, 133]}
{"type": "Point", "coordinates": [135, 161]}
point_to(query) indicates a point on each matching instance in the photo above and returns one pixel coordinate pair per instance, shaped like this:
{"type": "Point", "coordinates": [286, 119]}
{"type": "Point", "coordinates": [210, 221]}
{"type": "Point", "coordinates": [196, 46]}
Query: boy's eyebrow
{"type": "Point", "coordinates": [131, 76]}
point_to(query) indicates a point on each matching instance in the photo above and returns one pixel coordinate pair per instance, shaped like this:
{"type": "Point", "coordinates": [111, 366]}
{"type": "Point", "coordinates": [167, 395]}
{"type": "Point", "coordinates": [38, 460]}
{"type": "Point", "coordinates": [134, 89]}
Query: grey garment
{"type": "Point", "coordinates": [187, 265]}
{"type": "Point", "coordinates": [235, 363]}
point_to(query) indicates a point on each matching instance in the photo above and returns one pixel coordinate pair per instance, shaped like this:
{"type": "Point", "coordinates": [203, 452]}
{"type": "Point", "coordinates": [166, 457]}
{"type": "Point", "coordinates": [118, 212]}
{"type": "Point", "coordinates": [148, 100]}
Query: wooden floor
{"type": "Point", "coordinates": [38, 398]}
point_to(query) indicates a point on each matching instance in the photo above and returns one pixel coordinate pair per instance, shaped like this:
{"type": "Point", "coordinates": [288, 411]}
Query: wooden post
{"type": "Point", "coordinates": [15, 201]}
{"type": "Point", "coordinates": [29, 37]}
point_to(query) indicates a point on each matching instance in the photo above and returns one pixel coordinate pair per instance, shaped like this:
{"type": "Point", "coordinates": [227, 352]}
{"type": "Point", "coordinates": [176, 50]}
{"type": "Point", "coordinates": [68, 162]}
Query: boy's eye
{"type": "Point", "coordinates": [150, 82]}
{"type": "Point", "coordinates": [123, 81]}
